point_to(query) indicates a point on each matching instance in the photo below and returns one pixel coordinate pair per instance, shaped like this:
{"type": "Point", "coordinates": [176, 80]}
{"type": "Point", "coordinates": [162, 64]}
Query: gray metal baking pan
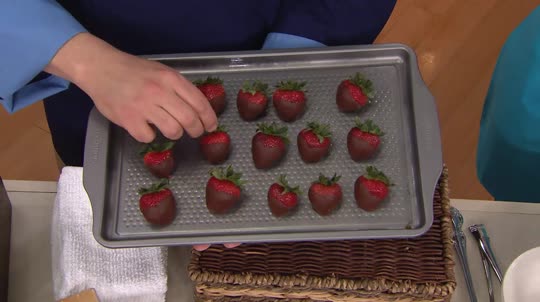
{"type": "Point", "coordinates": [410, 154]}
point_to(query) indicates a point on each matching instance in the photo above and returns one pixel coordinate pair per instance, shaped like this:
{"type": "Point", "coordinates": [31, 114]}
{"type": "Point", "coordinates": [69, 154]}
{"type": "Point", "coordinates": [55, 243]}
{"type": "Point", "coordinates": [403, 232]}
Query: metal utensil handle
{"type": "Point", "coordinates": [465, 266]}
{"type": "Point", "coordinates": [468, 275]}
{"type": "Point", "coordinates": [479, 232]}
{"type": "Point", "coordinates": [487, 272]}
{"type": "Point", "coordinates": [491, 259]}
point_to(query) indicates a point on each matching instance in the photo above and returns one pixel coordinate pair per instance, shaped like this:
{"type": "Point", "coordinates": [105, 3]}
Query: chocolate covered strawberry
{"type": "Point", "coordinates": [269, 145]}
{"type": "Point", "coordinates": [363, 140]}
{"type": "Point", "coordinates": [282, 198]}
{"type": "Point", "coordinates": [354, 93]}
{"type": "Point", "coordinates": [157, 203]}
{"type": "Point", "coordinates": [314, 142]}
{"type": "Point", "coordinates": [325, 194]}
{"type": "Point", "coordinates": [223, 190]}
{"type": "Point", "coordinates": [213, 89]}
{"type": "Point", "coordinates": [289, 100]}
{"type": "Point", "coordinates": [216, 146]}
{"type": "Point", "coordinates": [159, 159]}
{"type": "Point", "coordinates": [252, 100]}
{"type": "Point", "coordinates": [371, 189]}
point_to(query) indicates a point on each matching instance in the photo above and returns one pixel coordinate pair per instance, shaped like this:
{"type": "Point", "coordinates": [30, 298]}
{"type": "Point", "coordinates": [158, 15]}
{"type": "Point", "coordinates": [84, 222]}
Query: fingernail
{"type": "Point", "coordinates": [201, 247]}
{"type": "Point", "coordinates": [231, 245]}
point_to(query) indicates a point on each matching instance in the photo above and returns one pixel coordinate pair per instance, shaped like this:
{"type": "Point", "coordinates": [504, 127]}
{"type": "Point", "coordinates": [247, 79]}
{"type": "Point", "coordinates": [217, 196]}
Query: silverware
{"type": "Point", "coordinates": [487, 272]}
{"type": "Point", "coordinates": [461, 250]}
{"type": "Point", "coordinates": [488, 257]}
{"type": "Point", "coordinates": [479, 232]}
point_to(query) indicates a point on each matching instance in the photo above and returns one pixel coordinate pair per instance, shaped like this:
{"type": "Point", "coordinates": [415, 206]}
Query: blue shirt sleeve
{"type": "Point", "coordinates": [31, 31]}
{"type": "Point", "coordinates": [279, 40]}
{"type": "Point", "coordinates": [331, 23]}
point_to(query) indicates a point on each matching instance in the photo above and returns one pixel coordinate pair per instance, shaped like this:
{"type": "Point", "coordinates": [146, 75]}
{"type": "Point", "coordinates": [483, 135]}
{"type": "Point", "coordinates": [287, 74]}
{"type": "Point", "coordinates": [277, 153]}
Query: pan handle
{"type": "Point", "coordinates": [95, 166]}
{"type": "Point", "coordinates": [428, 135]}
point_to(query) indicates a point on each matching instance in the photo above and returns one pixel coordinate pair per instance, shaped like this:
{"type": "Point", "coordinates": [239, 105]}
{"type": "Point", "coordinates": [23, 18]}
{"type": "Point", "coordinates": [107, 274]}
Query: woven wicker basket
{"type": "Point", "coordinates": [418, 269]}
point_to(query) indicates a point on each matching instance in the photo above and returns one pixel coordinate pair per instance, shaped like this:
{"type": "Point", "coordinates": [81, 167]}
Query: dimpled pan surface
{"type": "Point", "coordinates": [410, 154]}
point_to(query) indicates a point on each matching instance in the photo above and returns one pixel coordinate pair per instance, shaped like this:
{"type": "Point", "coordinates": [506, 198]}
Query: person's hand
{"type": "Point", "coordinates": [133, 92]}
{"type": "Point", "coordinates": [202, 247]}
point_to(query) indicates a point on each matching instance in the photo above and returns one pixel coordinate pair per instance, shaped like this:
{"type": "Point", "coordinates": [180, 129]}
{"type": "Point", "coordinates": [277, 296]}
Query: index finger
{"type": "Point", "coordinates": [196, 99]}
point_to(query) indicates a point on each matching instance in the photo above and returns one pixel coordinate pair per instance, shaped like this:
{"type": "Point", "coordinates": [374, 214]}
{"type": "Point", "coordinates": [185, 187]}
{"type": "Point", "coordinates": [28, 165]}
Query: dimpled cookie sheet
{"type": "Point", "coordinates": [410, 154]}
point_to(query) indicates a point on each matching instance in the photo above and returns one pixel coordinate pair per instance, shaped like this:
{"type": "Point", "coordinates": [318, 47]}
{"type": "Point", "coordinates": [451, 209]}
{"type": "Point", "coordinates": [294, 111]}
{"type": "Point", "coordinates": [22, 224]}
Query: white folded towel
{"type": "Point", "coordinates": [80, 262]}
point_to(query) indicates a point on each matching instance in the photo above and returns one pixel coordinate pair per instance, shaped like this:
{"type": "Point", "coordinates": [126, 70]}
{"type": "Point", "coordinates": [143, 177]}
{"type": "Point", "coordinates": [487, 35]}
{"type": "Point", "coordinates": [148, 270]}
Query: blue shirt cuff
{"type": "Point", "coordinates": [280, 40]}
{"type": "Point", "coordinates": [35, 91]}
{"type": "Point", "coordinates": [32, 33]}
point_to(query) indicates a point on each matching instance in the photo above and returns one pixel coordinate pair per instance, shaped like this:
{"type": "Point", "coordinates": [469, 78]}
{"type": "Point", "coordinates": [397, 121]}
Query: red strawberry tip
{"type": "Point", "coordinates": [374, 174]}
{"type": "Point", "coordinates": [274, 130]}
{"type": "Point", "coordinates": [283, 182]}
{"type": "Point", "coordinates": [368, 126]}
{"type": "Point", "coordinates": [156, 147]}
{"type": "Point", "coordinates": [155, 187]}
{"type": "Point", "coordinates": [322, 131]}
{"type": "Point", "coordinates": [208, 80]}
{"type": "Point", "coordinates": [254, 87]}
{"type": "Point", "coordinates": [364, 84]}
{"type": "Point", "coordinates": [228, 174]}
{"type": "Point", "coordinates": [291, 85]}
{"type": "Point", "coordinates": [325, 181]}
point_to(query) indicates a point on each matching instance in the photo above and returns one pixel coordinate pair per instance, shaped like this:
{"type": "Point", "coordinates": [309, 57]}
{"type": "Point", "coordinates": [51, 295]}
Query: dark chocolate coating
{"type": "Point", "coordinates": [345, 100]}
{"type": "Point", "coordinates": [162, 170]}
{"type": "Point", "coordinates": [277, 208]}
{"type": "Point", "coordinates": [250, 111]}
{"type": "Point", "coordinates": [265, 157]}
{"type": "Point", "coordinates": [216, 153]}
{"type": "Point", "coordinates": [161, 214]}
{"type": "Point", "coordinates": [289, 111]}
{"type": "Point", "coordinates": [358, 148]}
{"type": "Point", "coordinates": [363, 198]}
{"type": "Point", "coordinates": [219, 202]}
{"type": "Point", "coordinates": [218, 104]}
{"type": "Point", "coordinates": [310, 154]}
{"type": "Point", "coordinates": [324, 204]}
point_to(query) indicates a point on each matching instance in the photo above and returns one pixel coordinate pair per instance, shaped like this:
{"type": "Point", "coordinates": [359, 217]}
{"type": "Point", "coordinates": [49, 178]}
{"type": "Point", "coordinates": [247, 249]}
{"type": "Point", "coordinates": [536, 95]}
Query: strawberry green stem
{"type": "Point", "coordinates": [275, 130]}
{"type": "Point", "coordinates": [374, 174]}
{"type": "Point", "coordinates": [155, 187]}
{"type": "Point", "coordinates": [228, 174]}
{"type": "Point", "coordinates": [254, 87]}
{"type": "Point", "coordinates": [208, 80]}
{"type": "Point", "coordinates": [282, 181]}
{"type": "Point", "coordinates": [328, 181]}
{"type": "Point", "coordinates": [291, 85]}
{"type": "Point", "coordinates": [220, 128]}
{"type": "Point", "coordinates": [322, 131]}
{"type": "Point", "coordinates": [156, 147]}
{"type": "Point", "coordinates": [366, 85]}
{"type": "Point", "coordinates": [369, 127]}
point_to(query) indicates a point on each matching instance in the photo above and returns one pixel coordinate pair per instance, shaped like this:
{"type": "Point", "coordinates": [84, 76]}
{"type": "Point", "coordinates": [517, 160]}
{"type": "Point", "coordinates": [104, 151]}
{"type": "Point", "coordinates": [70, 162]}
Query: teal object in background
{"type": "Point", "coordinates": [508, 157]}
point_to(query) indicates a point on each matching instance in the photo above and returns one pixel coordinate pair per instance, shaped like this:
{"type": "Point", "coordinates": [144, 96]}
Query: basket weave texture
{"type": "Point", "coordinates": [417, 269]}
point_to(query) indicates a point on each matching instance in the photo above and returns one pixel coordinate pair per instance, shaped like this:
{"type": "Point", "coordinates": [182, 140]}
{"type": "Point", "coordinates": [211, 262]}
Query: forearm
{"type": "Point", "coordinates": [79, 58]}
{"type": "Point", "coordinates": [133, 92]}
